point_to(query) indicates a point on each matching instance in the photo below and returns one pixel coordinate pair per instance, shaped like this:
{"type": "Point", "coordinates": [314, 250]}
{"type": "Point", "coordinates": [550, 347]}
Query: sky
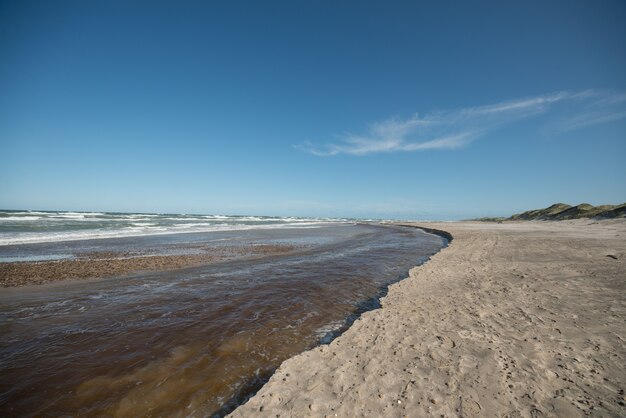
{"type": "Point", "coordinates": [403, 110]}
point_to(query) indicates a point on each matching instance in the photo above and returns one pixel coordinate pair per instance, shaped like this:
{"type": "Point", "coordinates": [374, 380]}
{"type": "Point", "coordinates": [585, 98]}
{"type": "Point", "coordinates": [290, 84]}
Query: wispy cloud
{"type": "Point", "coordinates": [587, 119]}
{"type": "Point", "coordinates": [448, 130]}
{"type": "Point", "coordinates": [596, 108]}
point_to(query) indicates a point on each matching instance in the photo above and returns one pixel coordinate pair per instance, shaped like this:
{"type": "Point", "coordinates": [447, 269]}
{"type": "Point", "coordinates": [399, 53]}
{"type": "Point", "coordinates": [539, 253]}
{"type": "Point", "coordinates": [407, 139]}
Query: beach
{"type": "Point", "coordinates": [514, 319]}
{"type": "Point", "coordinates": [315, 209]}
{"type": "Point", "coordinates": [167, 338]}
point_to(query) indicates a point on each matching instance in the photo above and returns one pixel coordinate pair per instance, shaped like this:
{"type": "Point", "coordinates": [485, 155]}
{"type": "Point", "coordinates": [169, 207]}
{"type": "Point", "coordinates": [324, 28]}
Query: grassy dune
{"type": "Point", "coordinates": [562, 211]}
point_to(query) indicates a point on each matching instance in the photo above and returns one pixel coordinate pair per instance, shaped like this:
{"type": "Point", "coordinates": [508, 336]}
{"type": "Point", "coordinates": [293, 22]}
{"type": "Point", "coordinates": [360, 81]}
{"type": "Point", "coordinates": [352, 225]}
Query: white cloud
{"type": "Point", "coordinates": [534, 105]}
{"type": "Point", "coordinates": [587, 119]}
{"type": "Point", "coordinates": [448, 130]}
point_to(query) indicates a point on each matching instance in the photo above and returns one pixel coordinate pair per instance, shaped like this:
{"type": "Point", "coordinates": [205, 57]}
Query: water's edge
{"type": "Point", "coordinates": [371, 304]}
{"type": "Point", "coordinates": [213, 334]}
{"type": "Point", "coordinates": [440, 232]}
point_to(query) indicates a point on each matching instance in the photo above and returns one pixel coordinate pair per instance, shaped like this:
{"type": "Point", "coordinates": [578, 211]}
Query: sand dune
{"type": "Point", "coordinates": [516, 320]}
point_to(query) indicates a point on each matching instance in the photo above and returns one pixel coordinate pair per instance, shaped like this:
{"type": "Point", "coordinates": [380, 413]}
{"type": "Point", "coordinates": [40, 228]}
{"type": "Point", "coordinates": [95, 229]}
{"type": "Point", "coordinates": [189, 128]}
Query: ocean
{"type": "Point", "coordinates": [21, 227]}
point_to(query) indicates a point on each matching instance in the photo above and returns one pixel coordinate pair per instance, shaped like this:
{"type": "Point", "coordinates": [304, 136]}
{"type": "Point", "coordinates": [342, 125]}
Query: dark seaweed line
{"type": "Point", "coordinates": [440, 232]}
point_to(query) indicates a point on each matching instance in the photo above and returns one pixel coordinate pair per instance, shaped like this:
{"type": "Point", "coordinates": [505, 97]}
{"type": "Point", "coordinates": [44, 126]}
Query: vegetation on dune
{"type": "Point", "coordinates": [562, 211]}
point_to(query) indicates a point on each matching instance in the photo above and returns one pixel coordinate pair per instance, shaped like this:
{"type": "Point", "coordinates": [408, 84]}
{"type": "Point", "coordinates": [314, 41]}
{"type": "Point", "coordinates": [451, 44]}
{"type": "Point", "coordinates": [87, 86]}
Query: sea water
{"type": "Point", "coordinates": [20, 227]}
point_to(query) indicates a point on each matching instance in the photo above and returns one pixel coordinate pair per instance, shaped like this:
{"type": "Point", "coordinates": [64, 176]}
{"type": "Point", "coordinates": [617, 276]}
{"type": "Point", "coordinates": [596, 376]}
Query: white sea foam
{"type": "Point", "coordinates": [20, 218]}
{"type": "Point", "coordinates": [326, 333]}
{"type": "Point", "coordinates": [22, 227]}
{"type": "Point", "coordinates": [133, 231]}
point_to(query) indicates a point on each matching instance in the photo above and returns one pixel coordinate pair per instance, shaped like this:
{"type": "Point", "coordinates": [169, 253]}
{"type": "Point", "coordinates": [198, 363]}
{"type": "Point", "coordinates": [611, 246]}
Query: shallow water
{"type": "Point", "coordinates": [192, 342]}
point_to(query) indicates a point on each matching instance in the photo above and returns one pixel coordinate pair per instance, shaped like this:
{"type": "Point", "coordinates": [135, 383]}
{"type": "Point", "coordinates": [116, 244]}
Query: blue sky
{"type": "Point", "coordinates": [438, 110]}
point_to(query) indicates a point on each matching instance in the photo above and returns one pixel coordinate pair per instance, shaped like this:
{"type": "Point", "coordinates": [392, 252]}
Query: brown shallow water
{"type": "Point", "coordinates": [192, 342]}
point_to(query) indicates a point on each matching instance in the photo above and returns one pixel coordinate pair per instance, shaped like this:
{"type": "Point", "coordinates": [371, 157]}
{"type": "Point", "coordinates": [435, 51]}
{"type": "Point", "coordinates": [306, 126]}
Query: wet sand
{"type": "Point", "coordinates": [511, 320]}
{"type": "Point", "coordinates": [111, 264]}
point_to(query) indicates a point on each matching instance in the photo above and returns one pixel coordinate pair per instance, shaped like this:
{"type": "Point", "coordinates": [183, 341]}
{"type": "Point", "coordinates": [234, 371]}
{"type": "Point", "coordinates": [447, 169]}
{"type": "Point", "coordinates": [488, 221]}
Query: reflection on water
{"type": "Point", "coordinates": [191, 342]}
{"type": "Point", "coordinates": [53, 257]}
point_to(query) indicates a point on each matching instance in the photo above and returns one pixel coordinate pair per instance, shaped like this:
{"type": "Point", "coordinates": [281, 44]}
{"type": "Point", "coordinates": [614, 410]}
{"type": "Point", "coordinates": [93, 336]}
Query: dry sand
{"type": "Point", "coordinates": [511, 320]}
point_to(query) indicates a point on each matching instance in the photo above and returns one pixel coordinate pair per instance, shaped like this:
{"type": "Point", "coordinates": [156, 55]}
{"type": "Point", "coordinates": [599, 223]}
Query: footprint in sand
{"type": "Point", "coordinates": [464, 333]}
{"type": "Point", "coordinates": [470, 407]}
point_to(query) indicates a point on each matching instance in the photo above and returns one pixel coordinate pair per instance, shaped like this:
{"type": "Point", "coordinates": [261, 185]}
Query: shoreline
{"type": "Point", "coordinates": [514, 319]}
{"type": "Point", "coordinates": [440, 232]}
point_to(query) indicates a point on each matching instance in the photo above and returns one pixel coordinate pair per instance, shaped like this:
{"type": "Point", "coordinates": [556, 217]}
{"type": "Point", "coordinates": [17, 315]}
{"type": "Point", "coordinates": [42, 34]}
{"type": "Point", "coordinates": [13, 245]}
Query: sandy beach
{"type": "Point", "coordinates": [511, 320]}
